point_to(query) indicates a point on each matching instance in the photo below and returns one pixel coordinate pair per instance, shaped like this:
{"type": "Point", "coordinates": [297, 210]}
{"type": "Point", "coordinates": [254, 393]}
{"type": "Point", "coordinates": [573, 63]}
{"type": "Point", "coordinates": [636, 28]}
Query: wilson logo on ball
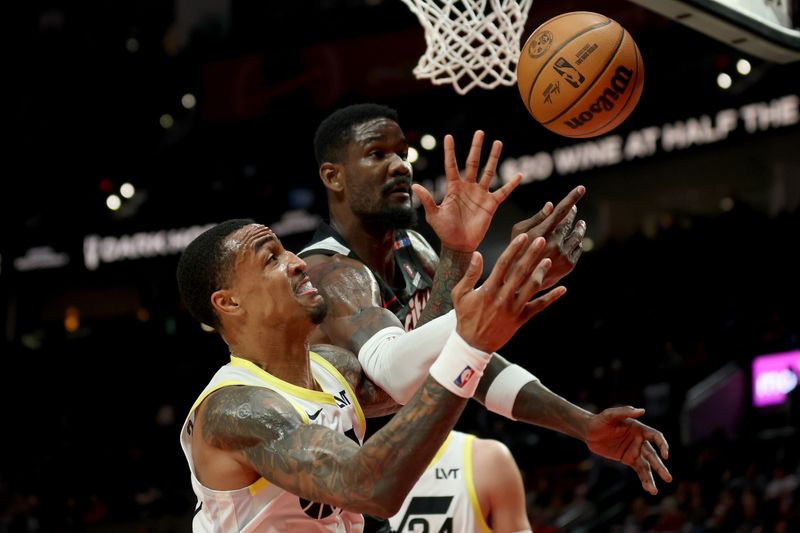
{"type": "Point", "coordinates": [606, 101]}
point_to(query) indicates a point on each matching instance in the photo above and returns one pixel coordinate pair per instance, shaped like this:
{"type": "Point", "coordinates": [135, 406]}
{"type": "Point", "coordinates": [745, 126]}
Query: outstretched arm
{"type": "Point", "coordinates": [613, 433]}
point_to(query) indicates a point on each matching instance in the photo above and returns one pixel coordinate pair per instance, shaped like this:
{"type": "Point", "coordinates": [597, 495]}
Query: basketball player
{"type": "Point", "coordinates": [451, 497]}
{"type": "Point", "coordinates": [273, 442]}
{"type": "Point", "coordinates": [367, 263]}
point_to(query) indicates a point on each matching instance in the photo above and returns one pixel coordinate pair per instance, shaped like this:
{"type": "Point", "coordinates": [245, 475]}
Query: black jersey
{"type": "Point", "coordinates": [407, 301]}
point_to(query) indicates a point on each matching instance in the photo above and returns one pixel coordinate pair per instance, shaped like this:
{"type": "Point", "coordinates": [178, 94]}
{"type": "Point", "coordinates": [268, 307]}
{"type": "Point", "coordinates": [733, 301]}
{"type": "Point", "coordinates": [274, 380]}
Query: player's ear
{"type": "Point", "coordinates": [225, 302]}
{"type": "Point", "coordinates": [332, 175]}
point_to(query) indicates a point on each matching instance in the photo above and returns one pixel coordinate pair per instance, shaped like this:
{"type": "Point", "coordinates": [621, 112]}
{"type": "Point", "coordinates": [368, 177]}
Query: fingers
{"type": "Point", "coordinates": [470, 277]}
{"type": "Point", "coordinates": [565, 226]}
{"type": "Point", "coordinates": [503, 192]}
{"type": "Point", "coordinates": [536, 306]}
{"type": "Point", "coordinates": [573, 245]}
{"type": "Point", "coordinates": [497, 276]}
{"type": "Point", "coordinates": [568, 202]}
{"type": "Point", "coordinates": [524, 226]}
{"type": "Point", "coordinates": [657, 437]}
{"type": "Point", "coordinates": [491, 165]}
{"type": "Point", "coordinates": [642, 468]}
{"type": "Point", "coordinates": [614, 415]}
{"type": "Point", "coordinates": [474, 157]}
{"type": "Point", "coordinates": [473, 161]}
{"type": "Point", "coordinates": [552, 218]}
{"type": "Point", "coordinates": [450, 164]}
{"type": "Point", "coordinates": [524, 274]}
{"type": "Point", "coordinates": [533, 283]}
{"type": "Point", "coordinates": [652, 458]}
{"type": "Point", "coordinates": [425, 198]}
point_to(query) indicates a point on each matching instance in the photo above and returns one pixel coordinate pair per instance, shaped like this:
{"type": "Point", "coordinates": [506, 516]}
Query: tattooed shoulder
{"type": "Point", "coordinates": [238, 417]}
{"type": "Point", "coordinates": [344, 361]}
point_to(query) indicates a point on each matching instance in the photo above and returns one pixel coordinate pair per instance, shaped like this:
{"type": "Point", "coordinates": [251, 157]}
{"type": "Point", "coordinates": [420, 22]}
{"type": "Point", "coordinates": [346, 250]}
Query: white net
{"type": "Point", "coordinates": [471, 43]}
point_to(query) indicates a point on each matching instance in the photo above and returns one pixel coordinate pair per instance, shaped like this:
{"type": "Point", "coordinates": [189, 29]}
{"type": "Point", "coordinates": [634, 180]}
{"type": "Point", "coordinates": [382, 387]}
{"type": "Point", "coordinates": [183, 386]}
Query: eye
{"type": "Point", "coordinates": [378, 154]}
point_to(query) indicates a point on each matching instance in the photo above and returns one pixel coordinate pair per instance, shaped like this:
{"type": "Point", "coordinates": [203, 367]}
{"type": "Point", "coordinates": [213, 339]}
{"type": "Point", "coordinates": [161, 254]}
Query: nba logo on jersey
{"type": "Point", "coordinates": [464, 377]}
{"type": "Point", "coordinates": [402, 242]}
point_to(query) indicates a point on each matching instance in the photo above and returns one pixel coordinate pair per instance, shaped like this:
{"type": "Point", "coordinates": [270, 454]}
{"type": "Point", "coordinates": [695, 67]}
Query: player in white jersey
{"type": "Point", "coordinates": [274, 441]}
{"type": "Point", "coordinates": [450, 497]}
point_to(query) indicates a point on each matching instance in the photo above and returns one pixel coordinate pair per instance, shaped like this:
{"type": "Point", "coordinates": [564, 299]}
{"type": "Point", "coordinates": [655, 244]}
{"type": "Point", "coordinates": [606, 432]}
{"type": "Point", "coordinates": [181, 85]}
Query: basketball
{"type": "Point", "coordinates": [580, 74]}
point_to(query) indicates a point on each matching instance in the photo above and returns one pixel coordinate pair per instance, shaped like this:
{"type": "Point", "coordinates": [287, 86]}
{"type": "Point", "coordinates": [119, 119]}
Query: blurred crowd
{"type": "Point", "coordinates": [91, 433]}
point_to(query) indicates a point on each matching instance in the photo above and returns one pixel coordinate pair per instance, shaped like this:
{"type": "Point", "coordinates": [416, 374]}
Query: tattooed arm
{"type": "Point", "coordinates": [263, 432]}
{"type": "Point", "coordinates": [445, 270]}
{"type": "Point", "coordinates": [355, 312]}
{"type": "Point", "coordinates": [260, 430]}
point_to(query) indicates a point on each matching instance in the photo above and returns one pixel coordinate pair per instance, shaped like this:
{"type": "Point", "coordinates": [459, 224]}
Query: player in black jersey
{"type": "Point", "coordinates": [375, 273]}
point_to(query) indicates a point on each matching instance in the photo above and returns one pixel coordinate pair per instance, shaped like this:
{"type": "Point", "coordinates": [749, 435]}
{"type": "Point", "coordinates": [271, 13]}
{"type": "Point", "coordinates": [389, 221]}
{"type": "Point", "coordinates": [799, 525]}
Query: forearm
{"type": "Point", "coordinates": [451, 267]}
{"type": "Point", "coordinates": [537, 405]}
{"type": "Point", "coordinates": [398, 454]}
{"type": "Point", "coordinates": [322, 465]}
{"type": "Point", "coordinates": [393, 459]}
{"type": "Point", "coordinates": [398, 361]}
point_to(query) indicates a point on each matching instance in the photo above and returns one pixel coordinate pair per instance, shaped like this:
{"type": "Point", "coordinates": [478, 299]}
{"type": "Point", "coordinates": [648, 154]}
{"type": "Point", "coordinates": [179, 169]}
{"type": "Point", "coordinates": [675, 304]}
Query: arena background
{"type": "Point", "coordinates": [691, 204]}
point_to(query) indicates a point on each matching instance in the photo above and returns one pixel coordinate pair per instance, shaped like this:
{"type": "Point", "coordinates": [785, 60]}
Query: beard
{"type": "Point", "coordinates": [380, 213]}
{"type": "Point", "coordinates": [318, 313]}
{"type": "Point", "coordinates": [391, 217]}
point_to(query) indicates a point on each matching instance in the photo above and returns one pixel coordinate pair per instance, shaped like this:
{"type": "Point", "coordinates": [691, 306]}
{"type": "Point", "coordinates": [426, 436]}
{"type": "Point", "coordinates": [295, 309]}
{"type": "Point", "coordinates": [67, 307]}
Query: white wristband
{"type": "Point", "coordinates": [503, 390]}
{"type": "Point", "coordinates": [460, 366]}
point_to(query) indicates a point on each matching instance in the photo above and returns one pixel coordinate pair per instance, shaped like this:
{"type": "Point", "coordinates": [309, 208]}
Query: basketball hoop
{"type": "Point", "coordinates": [471, 43]}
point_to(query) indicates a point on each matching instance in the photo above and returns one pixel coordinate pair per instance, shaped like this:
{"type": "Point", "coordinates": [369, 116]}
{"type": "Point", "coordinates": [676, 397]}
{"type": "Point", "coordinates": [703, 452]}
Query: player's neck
{"type": "Point", "coordinates": [374, 247]}
{"type": "Point", "coordinates": [280, 353]}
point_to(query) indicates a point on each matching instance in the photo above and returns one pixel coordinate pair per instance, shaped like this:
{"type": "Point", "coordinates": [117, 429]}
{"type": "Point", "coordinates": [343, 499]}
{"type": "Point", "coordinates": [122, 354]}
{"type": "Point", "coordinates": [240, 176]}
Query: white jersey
{"type": "Point", "coordinates": [444, 499]}
{"type": "Point", "coordinates": [262, 506]}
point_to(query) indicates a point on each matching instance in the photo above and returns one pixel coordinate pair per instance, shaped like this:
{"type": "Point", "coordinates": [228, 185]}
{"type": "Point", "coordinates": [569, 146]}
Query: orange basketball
{"type": "Point", "coordinates": [580, 74]}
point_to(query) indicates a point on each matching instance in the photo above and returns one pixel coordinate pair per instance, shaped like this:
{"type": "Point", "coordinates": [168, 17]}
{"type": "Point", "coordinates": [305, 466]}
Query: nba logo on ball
{"type": "Point", "coordinates": [580, 74]}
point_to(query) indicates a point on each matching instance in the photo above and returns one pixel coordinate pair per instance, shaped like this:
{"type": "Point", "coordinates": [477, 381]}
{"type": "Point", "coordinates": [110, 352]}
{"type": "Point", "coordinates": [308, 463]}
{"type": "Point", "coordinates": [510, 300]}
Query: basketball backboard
{"type": "Point", "coordinates": [768, 29]}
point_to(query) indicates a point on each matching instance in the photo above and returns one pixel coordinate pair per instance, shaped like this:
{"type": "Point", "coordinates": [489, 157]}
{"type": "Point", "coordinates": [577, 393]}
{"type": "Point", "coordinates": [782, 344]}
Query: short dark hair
{"type": "Point", "coordinates": [205, 267]}
{"type": "Point", "coordinates": [336, 131]}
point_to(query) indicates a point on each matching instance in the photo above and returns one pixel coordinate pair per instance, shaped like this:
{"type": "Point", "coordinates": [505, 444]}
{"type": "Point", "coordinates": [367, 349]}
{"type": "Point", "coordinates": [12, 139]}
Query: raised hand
{"type": "Point", "coordinates": [614, 434]}
{"type": "Point", "coordinates": [490, 315]}
{"type": "Point", "coordinates": [463, 217]}
{"type": "Point", "coordinates": [564, 236]}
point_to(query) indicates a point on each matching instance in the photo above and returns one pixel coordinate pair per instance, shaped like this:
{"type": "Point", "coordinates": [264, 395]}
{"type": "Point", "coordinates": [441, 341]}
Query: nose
{"type": "Point", "coordinates": [295, 264]}
{"type": "Point", "coordinates": [401, 167]}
